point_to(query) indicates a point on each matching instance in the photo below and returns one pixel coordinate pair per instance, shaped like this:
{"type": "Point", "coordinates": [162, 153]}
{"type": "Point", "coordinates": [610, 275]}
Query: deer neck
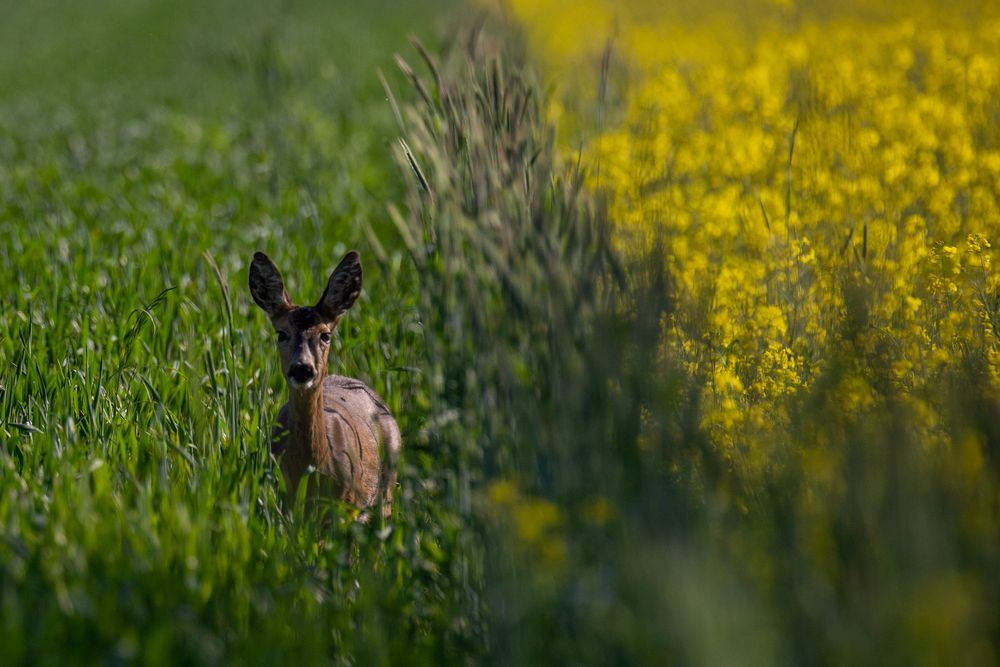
{"type": "Point", "coordinates": [306, 426]}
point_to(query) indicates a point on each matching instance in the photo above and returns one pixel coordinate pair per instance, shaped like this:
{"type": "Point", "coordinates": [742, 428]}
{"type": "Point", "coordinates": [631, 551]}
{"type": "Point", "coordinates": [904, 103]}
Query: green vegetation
{"type": "Point", "coordinates": [144, 155]}
{"type": "Point", "coordinates": [559, 502]}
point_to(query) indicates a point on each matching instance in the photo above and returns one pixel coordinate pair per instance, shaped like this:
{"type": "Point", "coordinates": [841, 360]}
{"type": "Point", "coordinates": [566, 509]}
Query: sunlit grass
{"type": "Point", "coordinates": [144, 157]}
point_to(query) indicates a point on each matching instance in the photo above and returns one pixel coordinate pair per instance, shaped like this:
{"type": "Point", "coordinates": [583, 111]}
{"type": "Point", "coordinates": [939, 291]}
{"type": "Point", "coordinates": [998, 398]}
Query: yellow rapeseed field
{"type": "Point", "coordinates": [817, 179]}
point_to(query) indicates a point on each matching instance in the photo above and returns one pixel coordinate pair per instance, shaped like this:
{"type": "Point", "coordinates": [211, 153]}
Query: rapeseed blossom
{"type": "Point", "coordinates": [813, 175]}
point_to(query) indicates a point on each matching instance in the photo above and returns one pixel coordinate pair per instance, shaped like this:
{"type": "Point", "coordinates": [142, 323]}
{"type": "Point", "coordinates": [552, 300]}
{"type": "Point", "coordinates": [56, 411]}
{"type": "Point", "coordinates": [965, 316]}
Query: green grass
{"type": "Point", "coordinates": [146, 150]}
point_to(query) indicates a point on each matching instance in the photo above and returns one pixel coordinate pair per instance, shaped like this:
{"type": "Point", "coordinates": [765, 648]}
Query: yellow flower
{"type": "Point", "coordinates": [784, 160]}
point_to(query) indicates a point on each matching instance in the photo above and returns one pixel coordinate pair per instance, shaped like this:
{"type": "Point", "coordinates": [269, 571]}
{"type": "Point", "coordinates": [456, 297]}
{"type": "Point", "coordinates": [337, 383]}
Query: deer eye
{"type": "Point", "coordinates": [325, 336]}
{"type": "Point", "coordinates": [282, 336]}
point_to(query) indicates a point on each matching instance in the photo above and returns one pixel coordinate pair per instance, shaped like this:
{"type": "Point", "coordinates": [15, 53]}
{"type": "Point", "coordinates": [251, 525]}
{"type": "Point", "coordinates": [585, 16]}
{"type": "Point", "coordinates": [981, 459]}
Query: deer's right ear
{"type": "Point", "coordinates": [343, 288]}
{"type": "Point", "coordinates": [266, 286]}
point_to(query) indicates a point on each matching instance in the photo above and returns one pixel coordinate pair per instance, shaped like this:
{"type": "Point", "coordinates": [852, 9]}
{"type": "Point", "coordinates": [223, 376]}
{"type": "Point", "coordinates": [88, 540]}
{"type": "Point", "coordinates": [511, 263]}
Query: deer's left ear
{"type": "Point", "coordinates": [267, 288]}
{"type": "Point", "coordinates": [343, 288]}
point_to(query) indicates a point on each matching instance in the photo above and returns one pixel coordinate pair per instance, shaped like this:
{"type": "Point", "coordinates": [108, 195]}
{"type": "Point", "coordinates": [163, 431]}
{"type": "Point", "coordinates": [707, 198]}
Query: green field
{"type": "Point", "coordinates": [146, 151]}
{"type": "Point", "coordinates": [560, 501]}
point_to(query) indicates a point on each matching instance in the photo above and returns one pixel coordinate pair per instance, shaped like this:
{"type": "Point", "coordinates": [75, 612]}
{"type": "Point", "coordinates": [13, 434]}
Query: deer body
{"type": "Point", "coordinates": [342, 429]}
{"type": "Point", "coordinates": [334, 424]}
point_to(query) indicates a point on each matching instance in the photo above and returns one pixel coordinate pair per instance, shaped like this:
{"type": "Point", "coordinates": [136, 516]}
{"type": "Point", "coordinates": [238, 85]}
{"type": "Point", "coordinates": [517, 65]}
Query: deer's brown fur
{"type": "Point", "coordinates": [334, 424]}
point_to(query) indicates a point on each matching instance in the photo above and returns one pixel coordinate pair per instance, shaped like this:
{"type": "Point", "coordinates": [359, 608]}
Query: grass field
{"type": "Point", "coordinates": [672, 390]}
{"type": "Point", "coordinates": [147, 151]}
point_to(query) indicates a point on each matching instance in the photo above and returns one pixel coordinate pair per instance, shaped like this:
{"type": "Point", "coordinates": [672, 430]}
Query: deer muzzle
{"type": "Point", "coordinates": [301, 376]}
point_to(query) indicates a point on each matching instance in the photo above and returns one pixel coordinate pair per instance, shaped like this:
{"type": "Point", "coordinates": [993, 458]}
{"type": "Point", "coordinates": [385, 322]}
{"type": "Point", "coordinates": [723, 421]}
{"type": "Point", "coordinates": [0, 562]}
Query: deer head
{"type": "Point", "coordinates": [304, 332]}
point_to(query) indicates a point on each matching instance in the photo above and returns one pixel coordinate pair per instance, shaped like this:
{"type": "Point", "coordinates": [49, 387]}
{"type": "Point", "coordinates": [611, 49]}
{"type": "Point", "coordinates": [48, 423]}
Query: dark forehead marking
{"type": "Point", "coordinates": [304, 317]}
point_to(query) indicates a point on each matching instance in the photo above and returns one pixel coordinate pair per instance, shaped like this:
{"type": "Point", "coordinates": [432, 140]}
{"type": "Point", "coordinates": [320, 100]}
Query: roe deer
{"type": "Point", "coordinates": [335, 424]}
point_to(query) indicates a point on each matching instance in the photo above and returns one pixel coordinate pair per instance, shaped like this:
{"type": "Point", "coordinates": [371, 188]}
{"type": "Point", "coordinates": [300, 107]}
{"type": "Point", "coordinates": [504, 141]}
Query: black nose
{"type": "Point", "coordinates": [301, 372]}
